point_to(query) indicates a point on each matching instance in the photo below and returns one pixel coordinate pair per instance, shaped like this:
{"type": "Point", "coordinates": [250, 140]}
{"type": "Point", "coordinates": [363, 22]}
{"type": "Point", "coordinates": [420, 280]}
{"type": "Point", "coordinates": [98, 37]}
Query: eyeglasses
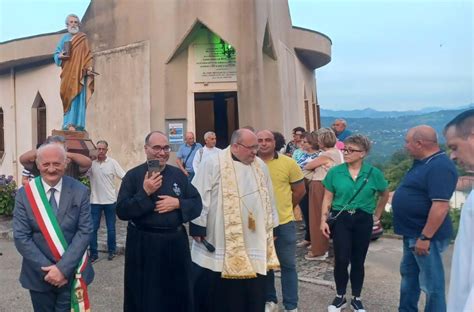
{"type": "Point", "coordinates": [350, 151]}
{"type": "Point", "coordinates": [159, 149]}
{"type": "Point", "coordinates": [253, 147]}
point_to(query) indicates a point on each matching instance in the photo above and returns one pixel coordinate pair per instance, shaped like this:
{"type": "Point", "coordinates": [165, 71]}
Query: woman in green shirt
{"type": "Point", "coordinates": [353, 226]}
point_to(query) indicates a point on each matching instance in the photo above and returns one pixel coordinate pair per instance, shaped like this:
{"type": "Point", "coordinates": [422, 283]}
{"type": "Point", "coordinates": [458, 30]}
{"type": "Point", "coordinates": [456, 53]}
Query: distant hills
{"type": "Point", "coordinates": [372, 113]}
{"type": "Point", "coordinates": [387, 129]}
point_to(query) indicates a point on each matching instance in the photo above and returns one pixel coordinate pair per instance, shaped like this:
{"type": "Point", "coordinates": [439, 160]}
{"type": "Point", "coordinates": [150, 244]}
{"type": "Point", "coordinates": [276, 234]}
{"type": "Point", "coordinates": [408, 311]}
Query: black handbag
{"type": "Point", "coordinates": [332, 217]}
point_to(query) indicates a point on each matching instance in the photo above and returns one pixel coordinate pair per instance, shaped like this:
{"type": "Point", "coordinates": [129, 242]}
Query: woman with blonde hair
{"type": "Point", "coordinates": [329, 157]}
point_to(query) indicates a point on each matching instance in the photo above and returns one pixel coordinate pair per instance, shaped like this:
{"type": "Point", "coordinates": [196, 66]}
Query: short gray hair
{"type": "Point", "coordinates": [208, 134]}
{"type": "Point", "coordinates": [73, 15]}
{"type": "Point", "coordinates": [344, 122]}
{"type": "Point", "coordinates": [102, 142]}
{"type": "Point", "coordinates": [60, 147]}
{"type": "Point", "coordinates": [360, 140]}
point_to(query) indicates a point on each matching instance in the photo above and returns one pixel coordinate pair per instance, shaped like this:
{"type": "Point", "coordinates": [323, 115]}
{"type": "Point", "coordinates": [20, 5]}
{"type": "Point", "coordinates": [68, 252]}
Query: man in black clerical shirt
{"type": "Point", "coordinates": [157, 257]}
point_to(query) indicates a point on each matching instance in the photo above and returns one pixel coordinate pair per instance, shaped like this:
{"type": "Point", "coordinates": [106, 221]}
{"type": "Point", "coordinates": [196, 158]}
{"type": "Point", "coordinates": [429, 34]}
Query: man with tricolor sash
{"type": "Point", "coordinates": [52, 227]}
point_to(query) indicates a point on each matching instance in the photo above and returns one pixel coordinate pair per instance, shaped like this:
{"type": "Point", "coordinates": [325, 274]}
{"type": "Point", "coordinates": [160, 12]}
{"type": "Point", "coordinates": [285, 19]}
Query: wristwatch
{"type": "Point", "coordinates": [424, 238]}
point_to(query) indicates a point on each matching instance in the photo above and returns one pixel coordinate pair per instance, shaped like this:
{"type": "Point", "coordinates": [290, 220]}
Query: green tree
{"type": "Point", "coordinates": [396, 168]}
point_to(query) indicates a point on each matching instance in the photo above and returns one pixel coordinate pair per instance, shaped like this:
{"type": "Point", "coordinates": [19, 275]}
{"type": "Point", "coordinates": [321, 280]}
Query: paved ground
{"type": "Point", "coordinates": [380, 289]}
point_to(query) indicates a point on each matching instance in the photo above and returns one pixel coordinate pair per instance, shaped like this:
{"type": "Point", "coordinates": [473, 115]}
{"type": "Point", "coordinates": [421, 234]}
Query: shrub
{"type": "Point", "coordinates": [455, 215]}
{"type": "Point", "coordinates": [7, 195]}
{"type": "Point", "coordinates": [84, 179]}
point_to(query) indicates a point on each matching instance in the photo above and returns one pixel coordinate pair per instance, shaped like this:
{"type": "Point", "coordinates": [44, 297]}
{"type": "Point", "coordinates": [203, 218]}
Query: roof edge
{"type": "Point", "coordinates": [313, 31]}
{"type": "Point", "coordinates": [34, 36]}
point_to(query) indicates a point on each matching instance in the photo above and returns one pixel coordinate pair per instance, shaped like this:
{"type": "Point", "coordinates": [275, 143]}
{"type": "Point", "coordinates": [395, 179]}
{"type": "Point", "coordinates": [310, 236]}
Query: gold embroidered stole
{"type": "Point", "coordinates": [236, 261]}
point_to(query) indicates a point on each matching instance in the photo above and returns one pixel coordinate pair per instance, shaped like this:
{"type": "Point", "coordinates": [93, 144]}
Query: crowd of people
{"type": "Point", "coordinates": [239, 203]}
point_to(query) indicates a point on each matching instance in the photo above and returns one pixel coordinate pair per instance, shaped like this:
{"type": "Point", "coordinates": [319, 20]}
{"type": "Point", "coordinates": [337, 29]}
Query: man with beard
{"type": "Point", "coordinates": [459, 134]}
{"type": "Point", "coordinates": [77, 81]}
{"type": "Point", "coordinates": [289, 189]}
{"type": "Point", "coordinates": [156, 203]}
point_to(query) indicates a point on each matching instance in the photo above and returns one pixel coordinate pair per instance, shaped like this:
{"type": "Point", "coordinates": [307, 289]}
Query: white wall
{"type": "Point", "coordinates": [18, 92]}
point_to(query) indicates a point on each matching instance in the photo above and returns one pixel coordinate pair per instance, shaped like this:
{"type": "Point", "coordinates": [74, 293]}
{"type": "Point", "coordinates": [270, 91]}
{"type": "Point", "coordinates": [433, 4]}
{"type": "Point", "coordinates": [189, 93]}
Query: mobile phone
{"type": "Point", "coordinates": [154, 166]}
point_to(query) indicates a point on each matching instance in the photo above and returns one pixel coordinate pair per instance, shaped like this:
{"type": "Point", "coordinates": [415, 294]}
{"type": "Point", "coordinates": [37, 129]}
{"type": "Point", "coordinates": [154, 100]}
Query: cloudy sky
{"type": "Point", "coordinates": [386, 54]}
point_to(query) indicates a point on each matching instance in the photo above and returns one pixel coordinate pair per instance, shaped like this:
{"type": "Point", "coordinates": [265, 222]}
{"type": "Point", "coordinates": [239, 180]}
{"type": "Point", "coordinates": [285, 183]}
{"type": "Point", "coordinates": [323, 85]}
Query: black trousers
{"type": "Point", "coordinates": [351, 240]}
{"type": "Point", "coordinates": [215, 294]}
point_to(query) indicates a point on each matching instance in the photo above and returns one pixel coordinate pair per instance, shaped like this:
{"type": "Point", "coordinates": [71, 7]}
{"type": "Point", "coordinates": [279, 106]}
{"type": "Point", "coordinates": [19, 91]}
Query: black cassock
{"type": "Point", "coordinates": [157, 256]}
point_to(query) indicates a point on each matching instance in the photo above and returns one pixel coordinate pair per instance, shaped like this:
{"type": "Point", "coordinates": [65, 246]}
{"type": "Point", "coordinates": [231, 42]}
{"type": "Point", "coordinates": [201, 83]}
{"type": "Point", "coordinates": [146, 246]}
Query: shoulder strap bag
{"type": "Point", "coordinates": [192, 149]}
{"type": "Point", "coordinates": [331, 220]}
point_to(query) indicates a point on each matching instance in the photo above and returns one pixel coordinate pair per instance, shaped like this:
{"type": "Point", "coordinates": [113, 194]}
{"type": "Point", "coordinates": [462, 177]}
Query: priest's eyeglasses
{"type": "Point", "coordinates": [252, 148]}
{"type": "Point", "coordinates": [159, 148]}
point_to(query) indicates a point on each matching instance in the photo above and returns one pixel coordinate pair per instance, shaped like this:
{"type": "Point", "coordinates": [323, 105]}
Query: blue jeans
{"type": "Point", "coordinates": [422, 273]}
{"type": "Point", "coordinates": [285, 246]}
{"type": "Point", "coordinates": [109, 212]}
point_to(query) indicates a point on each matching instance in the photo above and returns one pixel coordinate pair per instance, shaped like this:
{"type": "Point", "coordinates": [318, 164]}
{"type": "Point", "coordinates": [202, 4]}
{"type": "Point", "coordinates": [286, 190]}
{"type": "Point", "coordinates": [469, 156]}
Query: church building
{"type": "Point", "coordinates": [175, 66]}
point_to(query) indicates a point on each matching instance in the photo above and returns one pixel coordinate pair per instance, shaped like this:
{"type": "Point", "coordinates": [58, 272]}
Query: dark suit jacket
{"type": "Point", "coordinates": [75, 220]}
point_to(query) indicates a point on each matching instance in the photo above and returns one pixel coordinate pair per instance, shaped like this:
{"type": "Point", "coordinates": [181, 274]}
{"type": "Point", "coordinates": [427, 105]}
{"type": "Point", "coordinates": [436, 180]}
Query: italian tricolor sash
{"type": "Point", "coordinates": [54, 237]}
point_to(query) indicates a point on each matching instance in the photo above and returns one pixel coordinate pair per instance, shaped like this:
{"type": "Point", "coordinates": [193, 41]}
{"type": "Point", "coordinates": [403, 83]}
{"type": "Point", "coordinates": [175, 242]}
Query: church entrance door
{"type": "Point", "coordinates": [218, 112]}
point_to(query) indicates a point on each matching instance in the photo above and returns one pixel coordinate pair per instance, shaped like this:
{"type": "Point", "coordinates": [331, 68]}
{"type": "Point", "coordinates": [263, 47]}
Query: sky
{"type": "Point", "coordinates": [386, 54]}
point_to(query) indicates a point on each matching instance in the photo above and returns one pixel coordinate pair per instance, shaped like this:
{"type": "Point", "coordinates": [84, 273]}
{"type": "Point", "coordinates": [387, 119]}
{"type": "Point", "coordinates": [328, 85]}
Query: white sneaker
{"type": "Point", "coordinates": [338, 304]}
{"type": "Point", "coordinates": [292, 310]}
{"type": "Point", "coordinates": [316, 258]}
{"type": "Point", "coordinates": [271, 307]}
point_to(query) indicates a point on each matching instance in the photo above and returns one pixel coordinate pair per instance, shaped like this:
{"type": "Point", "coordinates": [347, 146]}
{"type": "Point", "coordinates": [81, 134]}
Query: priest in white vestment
{"type": "Point", "coordinates": [207, 150]}
{"type": "Point", "coordinates": [238, 218]}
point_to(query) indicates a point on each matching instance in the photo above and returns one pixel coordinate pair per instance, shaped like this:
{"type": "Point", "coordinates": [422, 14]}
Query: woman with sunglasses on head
{"type": "Point", "coordinates": [329, 157]}
{"type": "Point", "coordinates": [351, 191]}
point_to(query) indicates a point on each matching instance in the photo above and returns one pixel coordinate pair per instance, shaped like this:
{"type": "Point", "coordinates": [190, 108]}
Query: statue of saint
{"type": "Point", "coordinates": [77, 78]}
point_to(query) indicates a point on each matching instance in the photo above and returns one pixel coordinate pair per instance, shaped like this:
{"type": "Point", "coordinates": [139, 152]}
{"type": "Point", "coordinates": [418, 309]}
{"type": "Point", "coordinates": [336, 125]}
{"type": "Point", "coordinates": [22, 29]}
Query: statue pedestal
{"type": "Point", "coordinates": [78, 142]}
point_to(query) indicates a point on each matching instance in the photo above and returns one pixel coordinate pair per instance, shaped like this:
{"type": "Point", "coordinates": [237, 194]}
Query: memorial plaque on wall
{"type": "Point", "coordinates": [213, 65]}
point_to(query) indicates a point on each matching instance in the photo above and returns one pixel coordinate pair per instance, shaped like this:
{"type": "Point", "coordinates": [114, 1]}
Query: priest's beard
{"type": "Point", "coordinates": [73, 30]}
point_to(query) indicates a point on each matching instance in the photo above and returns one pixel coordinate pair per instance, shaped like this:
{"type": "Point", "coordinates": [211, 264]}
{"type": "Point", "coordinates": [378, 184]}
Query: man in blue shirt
{"type": "Point", "coordinates": [340, 128]}
{"type": "Point", "coordinates": [420, 213]}
{"type": "Point", "coordinates": [186, 154]}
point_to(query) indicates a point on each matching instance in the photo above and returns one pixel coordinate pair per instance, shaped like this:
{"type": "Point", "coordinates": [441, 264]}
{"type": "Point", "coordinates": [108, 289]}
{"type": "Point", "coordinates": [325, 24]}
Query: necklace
{"type": "Point", "coordinates": [354, 173]}
{"type": "Point", "coordinates": [251, 223]}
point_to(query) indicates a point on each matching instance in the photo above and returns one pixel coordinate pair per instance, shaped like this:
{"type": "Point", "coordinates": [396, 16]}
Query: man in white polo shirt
{"type": "Point", "coordinates": [103, 197]}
